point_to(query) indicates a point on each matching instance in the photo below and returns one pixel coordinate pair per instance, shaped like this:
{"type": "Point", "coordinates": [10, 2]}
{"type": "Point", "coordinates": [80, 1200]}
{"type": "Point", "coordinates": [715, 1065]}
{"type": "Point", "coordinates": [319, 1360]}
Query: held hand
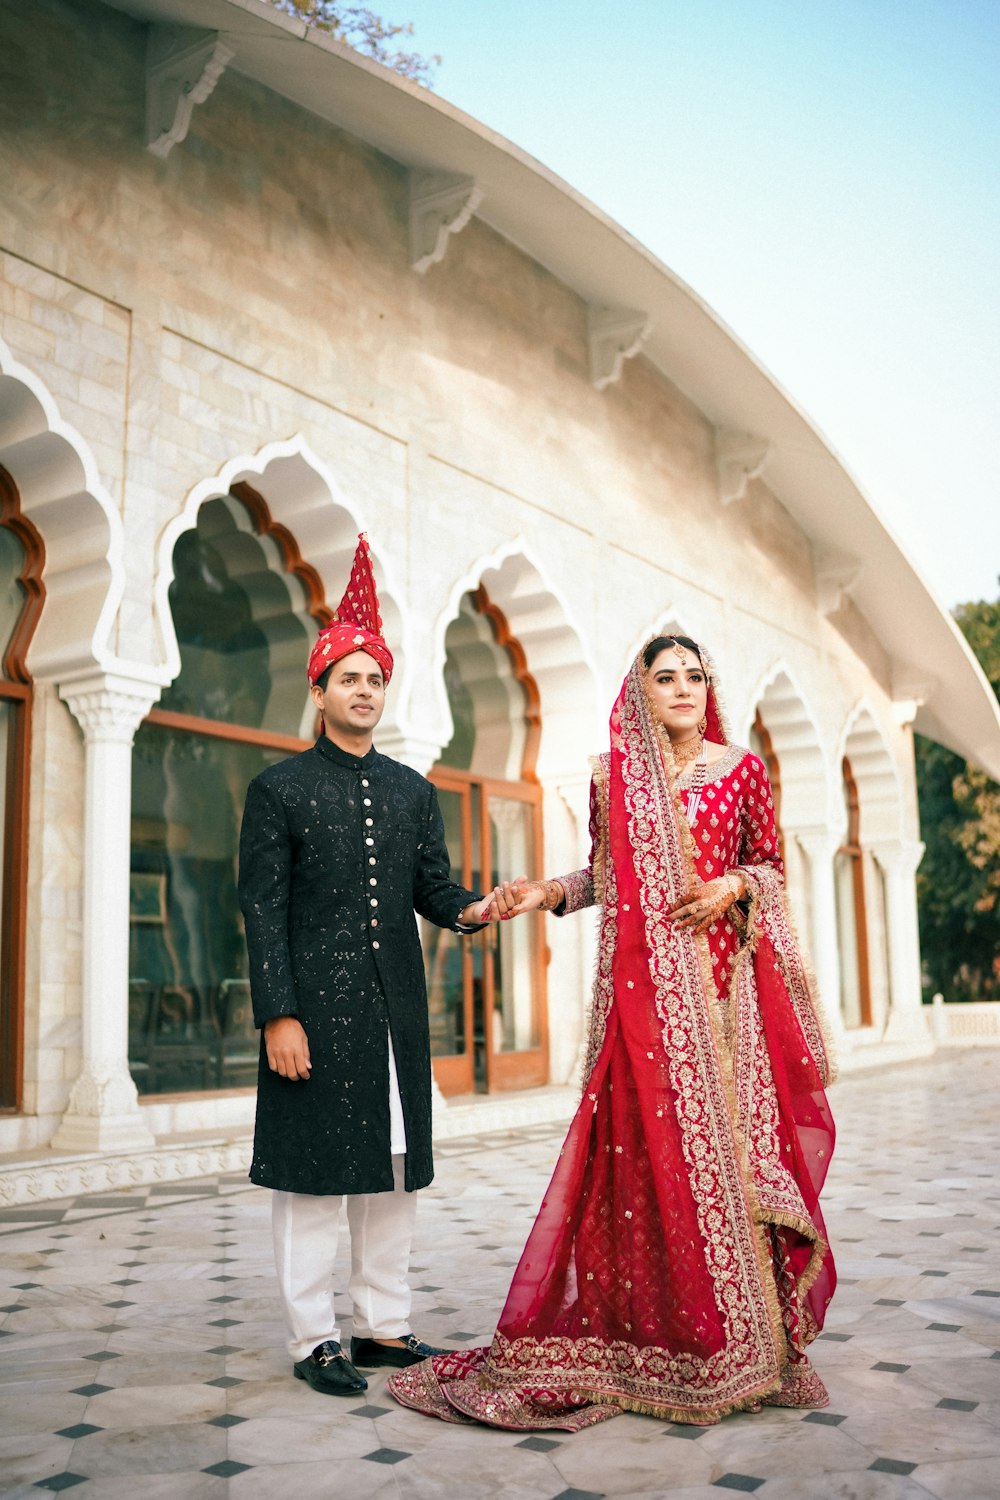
{"type": "Point", "coordinates": [706, 902]}
{"type": "Point", "coordinates": [505, 901]}
{"type": "Point", "coordinates": [529, 895]}
{"type": "Point", "coordinates": [287, 1047]}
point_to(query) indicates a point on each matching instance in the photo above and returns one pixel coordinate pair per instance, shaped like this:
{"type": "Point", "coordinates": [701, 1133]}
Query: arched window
{"type": "Point", "coordinates": [487, 995]}
{"type": "Point", "coordinates": [245, 608]}
{"type": "Point", "coordinates": [22, 559]}
{"type": "Point", "coordinates": [762, 744]}
{"type": "Point", "coordinates": [852, 921]}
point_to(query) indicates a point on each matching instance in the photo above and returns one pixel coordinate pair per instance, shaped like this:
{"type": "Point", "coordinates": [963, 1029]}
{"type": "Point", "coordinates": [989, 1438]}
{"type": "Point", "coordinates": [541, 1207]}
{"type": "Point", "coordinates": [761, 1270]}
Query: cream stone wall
{"type": "Point", "coordinates": [187, 315]}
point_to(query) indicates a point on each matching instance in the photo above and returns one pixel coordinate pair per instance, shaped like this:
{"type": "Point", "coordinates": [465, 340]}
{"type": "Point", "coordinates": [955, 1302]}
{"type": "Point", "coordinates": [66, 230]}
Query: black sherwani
{"type": "Point", "coordinates": [336, 852]}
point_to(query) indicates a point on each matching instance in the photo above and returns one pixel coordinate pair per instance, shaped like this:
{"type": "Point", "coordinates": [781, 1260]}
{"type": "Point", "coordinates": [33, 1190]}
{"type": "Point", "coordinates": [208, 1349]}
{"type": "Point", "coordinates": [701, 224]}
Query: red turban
{"type": "Point", "coordinates": [357, 624]}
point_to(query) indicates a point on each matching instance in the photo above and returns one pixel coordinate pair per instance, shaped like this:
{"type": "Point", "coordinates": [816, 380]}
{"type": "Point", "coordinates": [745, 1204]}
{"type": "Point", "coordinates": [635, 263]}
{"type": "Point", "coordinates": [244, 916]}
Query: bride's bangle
{"type": "Point", "coordinates": [553, 895]}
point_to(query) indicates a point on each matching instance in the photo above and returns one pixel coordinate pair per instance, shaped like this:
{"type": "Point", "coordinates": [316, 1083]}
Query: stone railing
{"type": "Point", "coordinates": [976, 1024]}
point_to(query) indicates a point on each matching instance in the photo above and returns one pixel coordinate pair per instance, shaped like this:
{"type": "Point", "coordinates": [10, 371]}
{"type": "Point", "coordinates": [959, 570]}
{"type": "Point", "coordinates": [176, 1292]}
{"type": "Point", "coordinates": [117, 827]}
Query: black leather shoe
{"type": "Point", "coordinates": [373, 1355]}
{"type": "Point", "coordinates": [329, 1370]}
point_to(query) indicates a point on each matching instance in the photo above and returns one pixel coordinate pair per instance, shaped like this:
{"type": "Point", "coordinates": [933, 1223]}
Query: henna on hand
{"type": "Point", "coordinates": [707, 901]}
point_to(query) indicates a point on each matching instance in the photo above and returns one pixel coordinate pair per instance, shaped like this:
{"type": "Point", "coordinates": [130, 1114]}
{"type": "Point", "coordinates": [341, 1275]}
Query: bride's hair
{"type": "Point", "coordinates": [664, 642]}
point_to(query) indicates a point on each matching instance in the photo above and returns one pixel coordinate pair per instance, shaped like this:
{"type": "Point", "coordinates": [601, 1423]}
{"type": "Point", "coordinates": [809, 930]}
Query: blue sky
{"type": "Point", "coordinates": [824, 173]}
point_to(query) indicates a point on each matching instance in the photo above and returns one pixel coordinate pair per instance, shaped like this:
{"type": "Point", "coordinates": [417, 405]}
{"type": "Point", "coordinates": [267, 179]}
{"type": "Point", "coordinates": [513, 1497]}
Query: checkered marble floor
{"type": "Point", "coordinates": [141, 1353]}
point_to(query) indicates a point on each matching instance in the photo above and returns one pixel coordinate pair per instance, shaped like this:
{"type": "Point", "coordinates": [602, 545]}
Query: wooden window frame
{"type": "Point", "coordinates": [514, 1070]}
{"type": "Point", "coordinates": [265, 526]}
{"type": "Point", "coordinates": [852, 850]}
{"type": "Point", "coordinates": [773, 767]}
{"type": "Point", "coordinates": [16, 687]}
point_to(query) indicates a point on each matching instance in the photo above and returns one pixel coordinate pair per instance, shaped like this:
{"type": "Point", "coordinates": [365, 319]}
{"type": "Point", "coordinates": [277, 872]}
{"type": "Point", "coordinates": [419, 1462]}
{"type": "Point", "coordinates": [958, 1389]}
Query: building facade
{"type": "Point", "coordinates": [257, 295]}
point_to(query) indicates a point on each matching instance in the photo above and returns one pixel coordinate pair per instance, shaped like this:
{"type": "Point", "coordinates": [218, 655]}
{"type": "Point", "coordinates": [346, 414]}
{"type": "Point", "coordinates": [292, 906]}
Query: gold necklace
{"type": "Point", "coordinates": [685, 751]}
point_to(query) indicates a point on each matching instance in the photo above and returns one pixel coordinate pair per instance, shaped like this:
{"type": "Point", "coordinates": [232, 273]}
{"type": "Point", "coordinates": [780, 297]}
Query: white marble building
{"type": "Point", "coordinates": [257, 294]}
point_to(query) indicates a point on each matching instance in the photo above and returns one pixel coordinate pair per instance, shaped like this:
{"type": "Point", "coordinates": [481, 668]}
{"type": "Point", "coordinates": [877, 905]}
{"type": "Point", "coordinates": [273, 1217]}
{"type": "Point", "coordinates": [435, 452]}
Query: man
{"type": "Point", "coordinates": [339, 846]}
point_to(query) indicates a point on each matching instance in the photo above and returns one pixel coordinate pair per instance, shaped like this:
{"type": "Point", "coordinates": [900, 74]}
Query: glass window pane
{"type": "Point", "coordinates": [190, 1024]}
{"type": "Point", "coordinates": [515, 1021]}
{"type": "Point", "coordinates": [444, 952]}
{"type": "Point", "coordinates": [243, 627]}
{"type": "Point", "coordinates": [12, 595]}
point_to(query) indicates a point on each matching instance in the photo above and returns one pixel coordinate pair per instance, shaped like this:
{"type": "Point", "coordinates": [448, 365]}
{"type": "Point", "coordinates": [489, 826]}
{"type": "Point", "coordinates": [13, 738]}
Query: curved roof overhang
{"type": "Point", "coordinates": [933, 668]}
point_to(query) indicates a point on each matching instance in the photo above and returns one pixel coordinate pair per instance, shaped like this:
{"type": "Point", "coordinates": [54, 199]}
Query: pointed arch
{"type": "Point", "coordinates": [538, 620]}
{"type": "Point", "coordinates": [294, 496]}
{"type": "Point", "coordinates": [63, 498]}
{"type": "Point", "coordinates": [880, 798]}
{"type": "Point", "coordinates": [790, 726]}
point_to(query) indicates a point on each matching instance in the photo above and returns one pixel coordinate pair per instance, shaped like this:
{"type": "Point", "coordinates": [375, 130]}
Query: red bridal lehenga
{"type": "Point", "coordinates": [678, 1265]}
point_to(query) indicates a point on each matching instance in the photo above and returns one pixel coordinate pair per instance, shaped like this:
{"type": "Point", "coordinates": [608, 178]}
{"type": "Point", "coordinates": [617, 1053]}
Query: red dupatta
{"type": "Point", "coordinates": [694, 1161]}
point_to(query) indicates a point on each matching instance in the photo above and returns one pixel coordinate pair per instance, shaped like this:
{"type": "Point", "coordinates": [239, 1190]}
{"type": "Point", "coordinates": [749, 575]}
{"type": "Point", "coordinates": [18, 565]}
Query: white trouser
{"type": "Point", "coordinates": [381, 1227]}
{"type": "Point", "coordinates": [305, 1248]}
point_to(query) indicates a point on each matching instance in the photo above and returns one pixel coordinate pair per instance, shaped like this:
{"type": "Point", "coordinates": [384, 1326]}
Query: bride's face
{"type": "Point", "coordinates": [678, 691]}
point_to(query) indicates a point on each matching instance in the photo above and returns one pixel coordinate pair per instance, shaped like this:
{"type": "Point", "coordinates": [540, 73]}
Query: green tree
{"type": "Point", "coordinates": [366, 32]}
{"type": "Point", "coordinates": [958, 883]}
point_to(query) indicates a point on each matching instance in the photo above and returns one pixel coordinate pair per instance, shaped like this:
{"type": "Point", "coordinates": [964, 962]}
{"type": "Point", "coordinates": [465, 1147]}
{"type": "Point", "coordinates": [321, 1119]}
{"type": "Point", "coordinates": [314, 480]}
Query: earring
{"type": "Point", "coordinates": [702, 725]}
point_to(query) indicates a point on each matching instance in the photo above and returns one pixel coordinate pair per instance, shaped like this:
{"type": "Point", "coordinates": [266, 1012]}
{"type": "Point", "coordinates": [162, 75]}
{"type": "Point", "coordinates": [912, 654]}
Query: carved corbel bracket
{"type": "Point", "coordinates": [739, 457]}
{"type": "Point", "coordinates": [837, 573]}
{"type": "Point", "coordinates": [909, 693]}
{"type": "Point", "coordinates": [441, 204]}
{"type": "Point", "coordinates": [614, 334]}
{"type": "Point", "coordinates": [183, 65]}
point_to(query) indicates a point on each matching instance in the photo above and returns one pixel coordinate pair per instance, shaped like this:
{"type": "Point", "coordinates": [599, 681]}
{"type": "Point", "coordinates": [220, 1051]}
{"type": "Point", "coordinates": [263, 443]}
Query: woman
{"type": "Point", "coordinates": [678, 1265]}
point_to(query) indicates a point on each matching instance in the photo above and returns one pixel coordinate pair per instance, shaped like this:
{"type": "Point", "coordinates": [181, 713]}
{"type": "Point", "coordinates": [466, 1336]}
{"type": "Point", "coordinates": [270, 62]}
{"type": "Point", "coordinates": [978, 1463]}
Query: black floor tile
{"type": "Point", "coordinates": [58, 1482]}
{"type": "Point", "coordinates": [227, 1468]}
{"type": "Point", "coordinates": [225, 1382]}
{"type": "Point", "coordinates": [31, 1215]}
{"type": "Point", "coordinates": [950, 1403]}
{"type": "Point", "coordinates": [538, 1444]}
{"type": "Point", "coordinates": [386, 1456]}
{"type": "Point", "coordinates": [228, 1420]}
{"type": "Point", "coordinates": [78, 1430]}
{"type": "Point", "coordinates": [884, 1364]}
{"type": "Point", "coordinates": [746, 1483]}
{"type": "Point", "coordinates": [91, 1390]}
{"type": "Point", "coordinates": [891, 1466]}
{"type": "Point", "coordinates": [824, 1418]}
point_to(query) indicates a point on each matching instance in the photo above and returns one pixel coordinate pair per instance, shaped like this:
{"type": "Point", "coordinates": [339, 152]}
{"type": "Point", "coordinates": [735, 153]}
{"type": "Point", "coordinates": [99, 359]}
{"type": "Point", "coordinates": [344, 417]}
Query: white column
{"type": "Point", "coordinates": [103, 1112]}
{"type": "Point", "coordinates": [898, 859]}
{"type": "Point", "coordinates": [820, 847]}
